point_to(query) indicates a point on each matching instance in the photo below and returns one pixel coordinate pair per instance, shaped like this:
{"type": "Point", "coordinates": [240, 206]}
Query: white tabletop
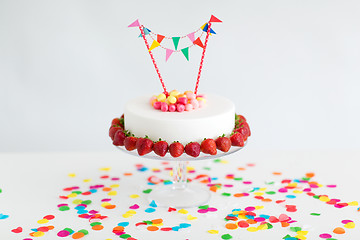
{"type": "Point", "coordinates": [31, 184]}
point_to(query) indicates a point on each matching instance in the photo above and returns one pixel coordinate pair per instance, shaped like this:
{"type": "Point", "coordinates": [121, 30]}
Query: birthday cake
{"type": "Point", "coordinates": [179, 123]}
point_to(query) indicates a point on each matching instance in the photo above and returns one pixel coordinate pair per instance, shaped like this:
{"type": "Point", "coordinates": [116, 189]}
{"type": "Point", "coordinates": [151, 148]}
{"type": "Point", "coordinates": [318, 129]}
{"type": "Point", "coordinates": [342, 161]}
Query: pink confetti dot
{"type": "Point", "coordinates": [135, 206]}
{"type": "Point", "coordinates": [249, 209]}
{"type": "Point", "coordinates": [283, 190]}
{"type": "Point", "coordinates": [325, 235]}
{"type": "Point", "coordinates": [331, 186]}
{"type": "Point", "coordinates": [247, 182]}
{"type": "Point", "coordinates": [346, 221]}
{"type": "Point", "coordinates": [202, 211]}
{"type": "Point", "coordinates": [63, 233]}
{"type": "Point", "coordinates": [212, 209]}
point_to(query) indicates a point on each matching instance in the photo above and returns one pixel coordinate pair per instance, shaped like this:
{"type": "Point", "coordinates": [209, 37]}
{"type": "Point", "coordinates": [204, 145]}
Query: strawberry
{"type": "Point", "coordinates": [176, 149]}
{"type": "Point", "coordinates": [223, 143]}
{"type": "Point", "coordinates": [144, 146]}
{"type": "Point", "coordinates": [245, 124]}
{"type": "Point", "coordinates": [113, 129]}
{"type": "Point", "coordinates": [239, 119]}
{"type": "Point", "coordinates": [192, 149]}
{"type": "Point", "coordinates": [208, 146]}
{"type": "Point", "coordinates": [130, 143]}
{"type": "Point", "coordinates": [161, 148]}
{"type": "Point", "coordinates": [115, 121]}
{"type": "Point", "coordinates": [237, 139]}
{"type": "Point", "coordinates": [119, 138]}
{"type": "Point", "coordinates": [244, 130]}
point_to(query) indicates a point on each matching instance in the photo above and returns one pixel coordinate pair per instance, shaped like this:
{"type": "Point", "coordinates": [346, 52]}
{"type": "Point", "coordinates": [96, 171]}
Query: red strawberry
{"type": "Point", "coordinates": [241, 118]}
{"type": "Point", "coordinates": [237, 139]}
{"type": "Point", "coordinates": [130, 143]}
{"type": "Point", "coordinates": [192, 149]}
{"type": "Point", "coordinates": [113, 130]}
{"type": "Point", "coordinates": [208, 146]}
{"type": "Point", "coordinates": [161, 148]}
{"type": "Point", "coordinates": [176, 149]}
{"type": "Point", "coordinates": [223, 143]}
{"type": "Point", "coordinates": [115, 121]}
{"type": "Point", "coordinates": [245, 124]}
{"type": "Point", "coordinates": [144, 146]}
{"type": "Point", "coordinates": [244, 130]}
{"type": "Point", "coordinates": [119, 138]}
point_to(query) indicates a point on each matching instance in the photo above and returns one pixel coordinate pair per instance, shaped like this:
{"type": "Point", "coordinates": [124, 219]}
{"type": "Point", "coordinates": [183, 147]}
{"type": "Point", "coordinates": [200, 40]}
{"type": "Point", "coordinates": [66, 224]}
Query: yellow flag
{"type": "Point", "coordinates": [154, 44]}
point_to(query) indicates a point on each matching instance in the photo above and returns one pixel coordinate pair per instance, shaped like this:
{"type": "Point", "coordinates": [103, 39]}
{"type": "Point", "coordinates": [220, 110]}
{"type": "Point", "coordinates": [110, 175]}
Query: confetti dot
{"type": "Point", "coordinates": [42, 221]}
{"type": "Point", "coordinates": [231, 226]}
{"type": "Point", "coordinates": [226, 236]}
{"type": "Point", "coordinates": [97, 227]}
{"type": "Point", "coordinates": [339, 230]}
{"type": "Point", "coordinates": [213, 231]}
{"type": "Point", "coordinates": [183, 211]}
{"type": "Point", "coordinates": [152, 228]}
{"type": "Point", "coordinates": [123, 224]}
{"type": "Point", "coordinates": [78, 235]}
{"type": "Point", "coordinates": [190, 217]}
{"type": "Point", "coordinates": [350, 225]}
{"type": "Point", "coordinates": [325, 235]}
{"type": "Point", "coordinates": [150, 210]}
{"type": "Point", "coordinates": [134, 196]}
{"type": "Point", "coordinates": [72, 175]}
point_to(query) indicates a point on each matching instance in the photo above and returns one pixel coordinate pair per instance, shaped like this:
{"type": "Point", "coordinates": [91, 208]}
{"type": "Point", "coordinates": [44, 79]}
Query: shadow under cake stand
{"type": "Point", "coordinates": [180, 194]}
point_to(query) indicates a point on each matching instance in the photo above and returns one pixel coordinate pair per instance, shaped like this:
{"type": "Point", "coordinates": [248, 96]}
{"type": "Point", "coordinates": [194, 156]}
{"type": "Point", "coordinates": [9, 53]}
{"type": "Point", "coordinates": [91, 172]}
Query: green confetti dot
{"type": "Point", "coordinates": [226, 236]}
{"type": "Point", "coordinates": [295, 229]}
{"type": "Point", "coordinates": [226, 194]}
{"type": "Point", "coordinates": [147, 191]}
{"type": "Point", "coordinates": [316, 196]}
{"type": "Point", "coordinates": [125, 236]}
{"type": "Point", "coordinates": [95, 223]}
{"type": "Point", "coordinates": [148, 222]}
{"type": "Point", "coordinates": [238, 179]}
{"type": "Point", "coordinates": [84, 231]}
{"type": "Point", "coordinates": [217, 160]}
{"type": "Point", "coordinates": [77, 192]}
{"type": "Point", "coordinates": [64, 208]}
{"type": "Point", "coordinates": [69, 230]}
{"type": "Point", "coordinates": [315, 214]}
{"type": "Point", "coordinates": [207, 168]}
{"type": "Point", "coordinates": [0, 190]}
{"type": "Point", "coordinates": [270, 192]}
{"type": "Point", "coordinates": [204, 207]}
{"type": "Point", "coordinates": [269, 183]}
{"type": "Point", "coordinates": [86, 202]}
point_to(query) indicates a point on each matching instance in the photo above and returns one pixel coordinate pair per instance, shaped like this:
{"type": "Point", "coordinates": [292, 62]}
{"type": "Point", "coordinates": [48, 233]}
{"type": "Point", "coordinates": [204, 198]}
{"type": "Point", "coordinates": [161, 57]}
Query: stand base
{"type": "Point", "coordinates": [183, 197]}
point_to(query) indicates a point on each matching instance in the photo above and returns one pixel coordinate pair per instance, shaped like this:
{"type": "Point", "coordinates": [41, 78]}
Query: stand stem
{"type": "Point", "coordinates": [179, 174]}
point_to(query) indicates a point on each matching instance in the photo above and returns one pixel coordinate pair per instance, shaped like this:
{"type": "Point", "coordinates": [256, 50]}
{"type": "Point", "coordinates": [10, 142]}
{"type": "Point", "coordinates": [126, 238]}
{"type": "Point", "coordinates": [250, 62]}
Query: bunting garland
{"type": "Point", "coordinates": [157, 40]}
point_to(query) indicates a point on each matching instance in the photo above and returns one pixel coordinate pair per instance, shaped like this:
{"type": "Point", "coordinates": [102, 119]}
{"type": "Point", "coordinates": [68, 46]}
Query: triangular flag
{"type": "Point", "coordinates": [176, 42]}
{"type": "Point", "coordinates": [185, 51]}
{"type": "Point", "coordinates": [160, 38]}
{"type": "Point", "coordinates": [214, 19]}
{"type": "Point", "coordinates": [154, 44]}
{"type": "Point", "coordinates": [168, 53]}
{"type": "Point", "coordinates": [206, 28]}
{"type": "Point", "coordinates": [146, 31]}
{"type": "Point", "coordinates": [135, 24]}
{"type": "Point", "coordinates": [198, 42]}
{"type": "Point", "coordinates": [202, 27]}
{"type": "Point", "coordinates": [191, 36]}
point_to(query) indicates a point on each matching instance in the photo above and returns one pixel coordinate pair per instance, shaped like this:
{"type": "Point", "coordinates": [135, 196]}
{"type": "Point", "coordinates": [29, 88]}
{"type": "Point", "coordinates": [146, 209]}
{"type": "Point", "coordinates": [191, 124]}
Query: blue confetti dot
{"type": "Point", "coordinates": [123, 224]}
{"type": "Point", "coordinates": [175, 228]}
{"type": "Point", "coordinates": [93, 190]}
{"type": "Point", "coordinates": [150, 210]}
{"type": "Point", "coordinates": [290, 196]}
{"type": "Point", "coordinates": [184, 225]}
{"type": "Point", "coordinates": [153, 204]}
{"type": "Point", "coordinates": [3, 216]}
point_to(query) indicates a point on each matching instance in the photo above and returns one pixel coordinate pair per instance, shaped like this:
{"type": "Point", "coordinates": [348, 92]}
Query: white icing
{"type": "Point", "coordinates": [215, 118]}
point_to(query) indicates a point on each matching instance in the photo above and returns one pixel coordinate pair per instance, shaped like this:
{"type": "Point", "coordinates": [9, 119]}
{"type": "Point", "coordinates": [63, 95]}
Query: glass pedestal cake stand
{"type": "Point", "coordinates": [180, 194]}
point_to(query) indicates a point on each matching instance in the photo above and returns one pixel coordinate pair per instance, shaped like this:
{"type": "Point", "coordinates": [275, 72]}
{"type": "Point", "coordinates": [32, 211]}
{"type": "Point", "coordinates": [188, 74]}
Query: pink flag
{"type": "Point", "coordinates": [168, 53]}
{"type": "Point", "coordinates": [135, 24]}
{"type": "Point", "coordinates": [191, 36]}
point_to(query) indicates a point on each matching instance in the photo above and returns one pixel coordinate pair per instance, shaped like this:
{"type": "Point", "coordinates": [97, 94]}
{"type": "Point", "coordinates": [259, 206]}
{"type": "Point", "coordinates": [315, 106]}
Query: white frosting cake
{"type": "Point", "coordinates": [216, 118]}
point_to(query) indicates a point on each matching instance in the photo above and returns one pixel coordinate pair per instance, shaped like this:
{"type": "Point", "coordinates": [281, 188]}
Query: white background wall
{"type": "Point", "coordinates": [68, 67]}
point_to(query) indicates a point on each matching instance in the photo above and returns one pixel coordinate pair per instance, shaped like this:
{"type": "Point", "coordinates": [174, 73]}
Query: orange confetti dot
{"type": "Point", "coordinates": [277, 173]}
{"type": "Point", "coordinates": [251, 221]}
{"type": "Point", "coordinates": [119, 228]}
{"type": "Point", "coordinates": [107, 189]}
{"type": "Point", "coordinates": [238, 195]}
{"type": "Point", "coordinates": [78, 235]}
{"type": "Point", "coordinates": [157, 221]}
{"type": "Point", "coordinates": [128, 174]}
{"type": "Point", "coordinates": [97, 227]}
{"type": "Point", "coordinates": [339, 230]}
{"type": "Point", "coordinates": [213, 188]}
{"type": "Point", "coordinates": [241, 168]}
{"type": "Point", "coordinates": [284, 224]}
{"type": "Point", "coordinates": [50, 227]}
{"type": "Point", "coordinates": [152, 228]}
{"type": "Point", "coordinates": [110, 206]}
{"type": "Point", "coordinates": [231, 226]}
{"type": "Point", "coordinates": [266, 200]}
{"type": "Point", "coordinates": [310, 175]}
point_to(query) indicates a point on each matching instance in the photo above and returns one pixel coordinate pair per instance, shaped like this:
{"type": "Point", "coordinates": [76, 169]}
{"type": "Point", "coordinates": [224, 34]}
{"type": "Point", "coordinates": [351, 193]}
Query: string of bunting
{"type": "Point", "coordinates": [157, 40]}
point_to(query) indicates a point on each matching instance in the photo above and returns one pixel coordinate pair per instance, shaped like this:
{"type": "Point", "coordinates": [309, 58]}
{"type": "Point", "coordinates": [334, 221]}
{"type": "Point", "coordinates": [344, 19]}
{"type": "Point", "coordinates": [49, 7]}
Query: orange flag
{"type": "Point", "coordinates": [198, 42]}
{"type": "Point", "coordinates": [160, 38]}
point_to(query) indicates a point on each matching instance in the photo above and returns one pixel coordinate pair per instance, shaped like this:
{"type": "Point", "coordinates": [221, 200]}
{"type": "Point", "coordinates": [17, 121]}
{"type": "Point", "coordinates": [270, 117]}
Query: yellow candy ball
{"type": "Point", "coordinates": [186, 92]}
{"type": "Point", "coordinates": [201, 99]}
{"type": "Point", "coordinates": [161, 97]}
{"type": "Point", "coordinates": [174, 93]}
{"type": "Point", "coordinates": [171, 99]}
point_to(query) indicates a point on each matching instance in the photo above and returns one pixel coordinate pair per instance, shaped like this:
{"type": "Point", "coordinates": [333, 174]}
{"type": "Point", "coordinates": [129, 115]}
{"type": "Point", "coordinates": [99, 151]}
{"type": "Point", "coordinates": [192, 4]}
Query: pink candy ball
{"type": "Point", "coordinates": [190, 95]}
{"type": "Point", "coordinates": [188, 107]}
{"type": "Point", "coordinates": [164, 107]}
{"type": "Point", "coordinates": [180, 107]}
{"type": "Point", "coordinates": [194, 103]}
{"type": "Point", "coordinates": [201, 104]}
{"type": "Point", "coordinates": [157, 105]}
{"type": "Point", "coordinates": [182, 100]}
{"type": "Point", "coordinates": [172, 108]}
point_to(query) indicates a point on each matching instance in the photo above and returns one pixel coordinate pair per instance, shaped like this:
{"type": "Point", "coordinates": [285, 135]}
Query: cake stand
{"type": "Point", "coordinates": [180, 194]}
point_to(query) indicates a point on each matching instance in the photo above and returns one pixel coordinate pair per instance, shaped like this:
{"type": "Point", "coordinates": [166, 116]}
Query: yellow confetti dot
{"type": "Point", "coordinates": [72, 175]}
{"type": "Point", "coordinates": [157, 225]}
{"type": "Point", "coordinates": [126, 215]}
{"type": "Point", "coordinates": [183, 211]}
{"type": "Point", "coordinates": [131, 212]}
{"type": "Point", "coordinates": [297, 191]}
{"type": "Point", "coordinates": [301, 237]}
{"type": "Point", "coordinates": [259, 207]}
{"type": "Point", "coordinates": [112, 193]}
{"type": "Point", "coordinates": [104, 204]}
{"type": "Point", "coordinates": [262, 189]}
{"type": "Point", "coordinates": [71, 195]}
{"type": "Point", "coordinates": [224, 161]}
{"type": "Point", "coordinates": [252, 229]}
{"type": "Point", "coordinates": [292, 185]}
{"type": "Point", "coordinates": [354, 203]}
{"type": "Point", "coordinates": [258, 193]}
{"type": "Point", "coordinates": [114, 185]}
{"type": "Point", "coordinates": [213, 231]}
{"type": "Point", "coordinates": [134, 196]}
{"type": "Point", "coordinates": [87, 180]}
{"type": "Point", "coordinates": [77, 201]}
{"type": "Point", "coordinates": [105, 169]}
{"type": "Point", "coordinates": [262, 227]}
{"type": "Point", "coordinates": [350, 225]}
{"type": "Point", "coordinates": [324, 198]}
{"type": "Point", "coordinates": [302, 233]}
{"type": "Point", "coordinates": [190, 217]}
{"type": "Point", "coordinates": [38, 234]}
{"type": "Point", "coordinates": [43, 221]}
